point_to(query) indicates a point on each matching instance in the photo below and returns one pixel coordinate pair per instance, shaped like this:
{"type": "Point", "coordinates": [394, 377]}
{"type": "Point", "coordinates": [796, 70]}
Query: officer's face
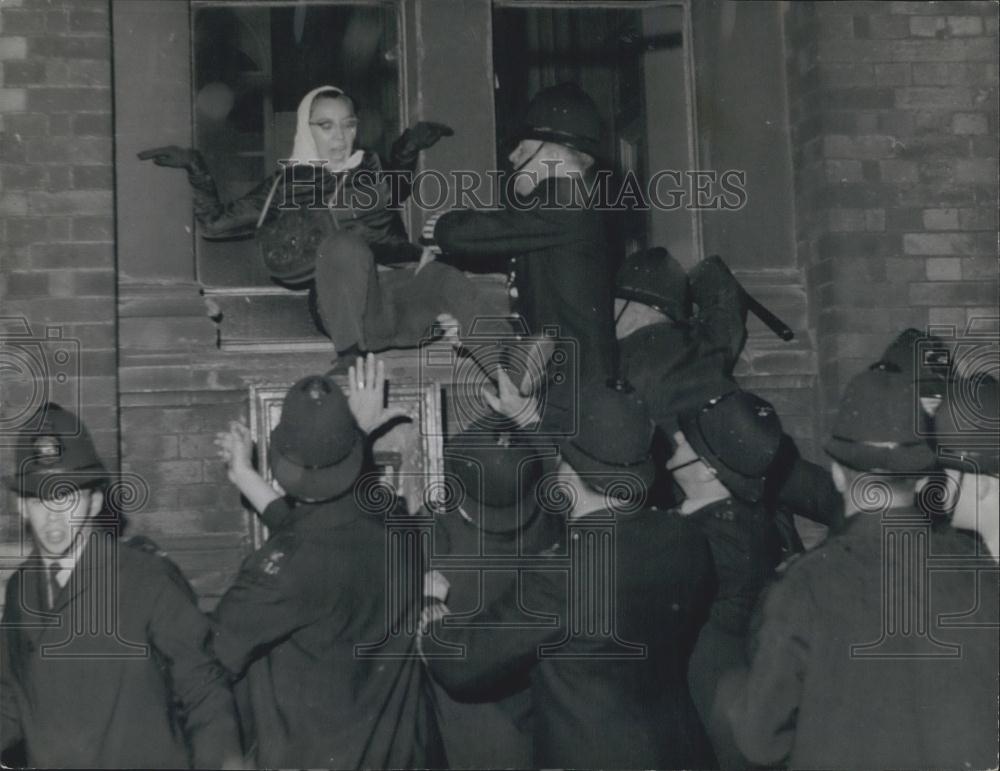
{"type": "Point", "coordinates": [972, 505]}
{"type": "Point", "coordinates": [54, 521]}
{"type": "Point", "coordinates": [334, 127]}
{"type": "Point", "coordinates": [527, 155]}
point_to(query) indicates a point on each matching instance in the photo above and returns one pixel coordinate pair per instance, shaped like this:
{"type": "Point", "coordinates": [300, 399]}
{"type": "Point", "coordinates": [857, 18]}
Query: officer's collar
{"type": "Point", "coordinates": [686, 509]}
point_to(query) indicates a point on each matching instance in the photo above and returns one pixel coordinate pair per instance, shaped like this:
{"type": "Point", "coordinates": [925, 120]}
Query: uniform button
{"type": "Point", "coordinates": [513, 292]}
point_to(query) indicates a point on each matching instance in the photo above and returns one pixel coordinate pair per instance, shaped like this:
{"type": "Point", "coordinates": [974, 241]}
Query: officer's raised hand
{"type": "Point", "coordinates": [366, 395]}
{"type": "Point", "coordinates": [436, 588]}
{"type": "Point", "coordinates": [509, 401]}
{"type": "Point", "coordinates": [235, 450]}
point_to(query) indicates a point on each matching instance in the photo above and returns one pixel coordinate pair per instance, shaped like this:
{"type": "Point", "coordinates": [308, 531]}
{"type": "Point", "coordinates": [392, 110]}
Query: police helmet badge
{"type": "Point", "coordinates": [48, 449]}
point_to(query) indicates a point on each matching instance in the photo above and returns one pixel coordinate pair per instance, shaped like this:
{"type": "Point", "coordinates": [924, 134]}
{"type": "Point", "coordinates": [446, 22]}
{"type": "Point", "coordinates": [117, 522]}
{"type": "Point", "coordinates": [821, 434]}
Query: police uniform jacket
{"type": "Point", "coordinates": [609, 698]}
{"type": "Point", "coordinates": [838, 681]}
{"type": "Point", "coordinates": [560, 264]}
{"type": "Point", "coordinates": [745, 551]}
{"type": "Point", "coordinates": [486, 566]}
{"type": "Point", "coordinates": [136, 686]}
{"type": "Point", "coordinates": [331, 666]}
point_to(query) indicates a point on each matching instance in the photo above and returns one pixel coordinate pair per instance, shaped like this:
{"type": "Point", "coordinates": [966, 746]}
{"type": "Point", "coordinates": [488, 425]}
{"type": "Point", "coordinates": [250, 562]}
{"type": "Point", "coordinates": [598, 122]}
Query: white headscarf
{"type": "Point", "coordinates": [304, 148]}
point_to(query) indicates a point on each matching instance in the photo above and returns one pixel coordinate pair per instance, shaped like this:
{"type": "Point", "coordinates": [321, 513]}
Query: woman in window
{"type": "Point", "coordinates": [327, 217]}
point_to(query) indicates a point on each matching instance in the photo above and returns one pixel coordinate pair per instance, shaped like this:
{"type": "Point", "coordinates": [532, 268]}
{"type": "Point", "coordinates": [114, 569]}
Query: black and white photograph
{"type": "Point", "coordinates": [500, 384]}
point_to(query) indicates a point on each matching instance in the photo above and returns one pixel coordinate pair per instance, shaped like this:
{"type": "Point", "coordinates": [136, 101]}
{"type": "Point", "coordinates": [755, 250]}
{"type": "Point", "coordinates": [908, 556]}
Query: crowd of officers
{"type": "Point", "coordinates": [613, 578]}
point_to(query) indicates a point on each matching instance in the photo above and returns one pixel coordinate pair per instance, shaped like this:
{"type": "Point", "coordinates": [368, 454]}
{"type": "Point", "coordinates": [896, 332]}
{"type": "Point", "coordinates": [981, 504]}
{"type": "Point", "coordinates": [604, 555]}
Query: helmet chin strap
{"type": "Point", "coordinates": [622, 311]}
{"type": "Point", "coordinates": [530, 158]}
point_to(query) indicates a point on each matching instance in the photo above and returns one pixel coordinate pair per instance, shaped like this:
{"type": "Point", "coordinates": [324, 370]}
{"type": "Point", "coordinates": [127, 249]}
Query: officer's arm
{"type": "Point", "coordinates": [183, 637]}
{"type": "Point", "coordinates": [263, 606]}
{"type": "Point", "coordinates": [503, 232]}
{"type": "Point", "coordinates": [762, 703]}
{"type": "Point", "coordinates": [490, 654]}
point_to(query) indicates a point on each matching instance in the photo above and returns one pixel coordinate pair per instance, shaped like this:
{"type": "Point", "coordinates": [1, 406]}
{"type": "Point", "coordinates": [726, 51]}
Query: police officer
{"type": "Point", "coordinates": [678, 359]}
{"type": "Point", "coordinates": [305, 604]}
{"type": "Point", "coordinates": [136, 686]}
{"type": "Point", "coordinates": [493, 526]}
{"type": "Point", "coordinates": [560, 278]}
{"type": "Point", "coordinates": [865, 656]}
{"type": "Point", "coordinates": [723, 452]}
{"type": "Point", "coordinates": [608, 680]}
{"type": "Point", "coordinates": [670, 354]}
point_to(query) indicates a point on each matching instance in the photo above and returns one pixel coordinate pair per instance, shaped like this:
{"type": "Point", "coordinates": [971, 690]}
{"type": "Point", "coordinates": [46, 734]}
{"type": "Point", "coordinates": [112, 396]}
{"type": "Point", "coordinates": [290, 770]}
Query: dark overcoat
{"type": "Point", "coordinates": [327, 645]}
{"type": "Point", "coordinates": [561, 269]}
{"type": "Point", "coordinates": [134, 686]}
{"type": "Point", "coordinates": [615, 696]}
{"type": "Point", "coordinates": [878, 649]}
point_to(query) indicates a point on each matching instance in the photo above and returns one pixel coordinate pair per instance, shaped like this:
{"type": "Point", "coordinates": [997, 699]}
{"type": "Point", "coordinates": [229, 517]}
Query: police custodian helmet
{"type": "Point", "coordinates": [56, 451]}
{"type": "Point", "coordinates": [566, 115]}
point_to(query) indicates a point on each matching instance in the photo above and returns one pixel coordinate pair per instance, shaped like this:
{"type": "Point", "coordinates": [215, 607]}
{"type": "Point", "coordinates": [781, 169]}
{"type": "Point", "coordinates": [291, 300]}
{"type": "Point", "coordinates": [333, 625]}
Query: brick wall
{"type": "Point", "coordinates": [192, 512]}
{"type": "Point", "coordinates": [894, 118]}
{"type": "Point", "coordinates": [56, 197]}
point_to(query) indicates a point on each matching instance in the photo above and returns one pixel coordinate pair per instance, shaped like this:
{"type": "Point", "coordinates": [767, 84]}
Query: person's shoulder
{"type": "Point", "coordinates": [271, 559]}
{"type": "Point", "coordinates": [947, 540]}
{"type": "Point", "coordinates": [140, 552]}
{"type": "Point", "coordinates": [817, 566]}
{"type": "Point", "coordinates": [14, 582]}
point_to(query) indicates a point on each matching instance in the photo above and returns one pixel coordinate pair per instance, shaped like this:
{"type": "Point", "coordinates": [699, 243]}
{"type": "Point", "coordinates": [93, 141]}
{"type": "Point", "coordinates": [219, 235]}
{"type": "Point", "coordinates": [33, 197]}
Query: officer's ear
{"type": "Point", "coordinates": [839, 477]}
{"type": "Point", "coordinates": [22, 505]}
